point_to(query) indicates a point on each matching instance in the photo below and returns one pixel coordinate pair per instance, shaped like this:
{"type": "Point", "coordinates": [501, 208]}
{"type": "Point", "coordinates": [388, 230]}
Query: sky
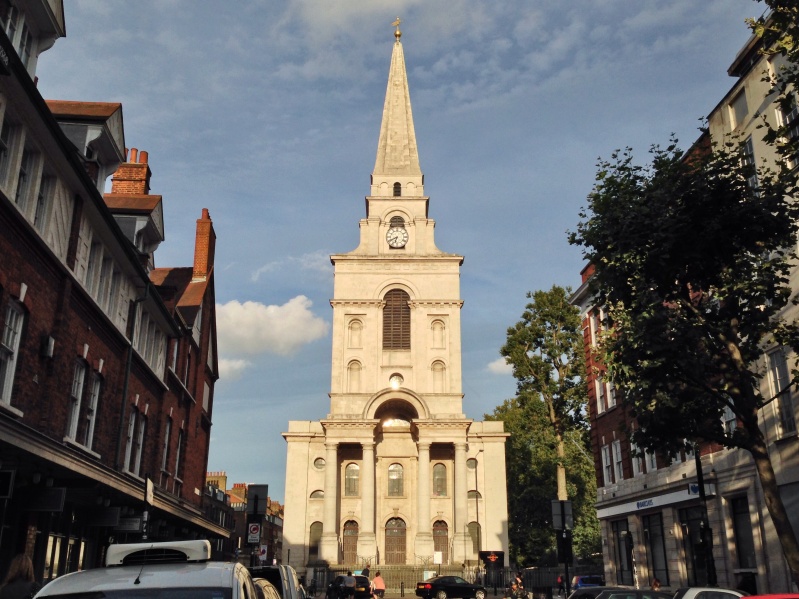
{"type": "Point", "coordinates": [267, 112]}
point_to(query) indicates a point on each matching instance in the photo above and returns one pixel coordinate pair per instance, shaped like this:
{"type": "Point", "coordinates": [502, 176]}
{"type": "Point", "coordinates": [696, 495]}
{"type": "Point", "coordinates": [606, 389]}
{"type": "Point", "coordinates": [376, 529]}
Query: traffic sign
{"type": "Point", "coordinates": [253, 532]}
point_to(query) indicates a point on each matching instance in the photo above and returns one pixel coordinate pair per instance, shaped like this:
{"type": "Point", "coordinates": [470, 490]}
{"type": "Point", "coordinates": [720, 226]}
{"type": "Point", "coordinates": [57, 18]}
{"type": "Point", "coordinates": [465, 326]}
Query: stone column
{"type": "Point", "coordinates": [367, 545]}
{"type": "Point", "coordinates": [424, 537]}
{"type": "Point", "coordinates": [328, 547]}
{"type": "Point", "coordinates": [461, 546]}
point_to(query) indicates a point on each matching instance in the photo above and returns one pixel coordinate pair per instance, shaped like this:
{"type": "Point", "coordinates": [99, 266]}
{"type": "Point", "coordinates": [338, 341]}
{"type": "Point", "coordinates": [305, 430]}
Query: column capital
{"type": "Point", "coordinates": [461, 446]}
{"type": "Point", "coordinates": [331, 445]}
{"type": "Point", "coordinates": [424, 444]}
{"type": "Point", "coordinates": [369, 445]}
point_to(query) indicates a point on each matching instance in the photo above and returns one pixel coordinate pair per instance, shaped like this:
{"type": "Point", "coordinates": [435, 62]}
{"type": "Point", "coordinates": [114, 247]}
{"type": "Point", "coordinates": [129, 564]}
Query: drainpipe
{"type": "Point", "coordinates": [126, 382]}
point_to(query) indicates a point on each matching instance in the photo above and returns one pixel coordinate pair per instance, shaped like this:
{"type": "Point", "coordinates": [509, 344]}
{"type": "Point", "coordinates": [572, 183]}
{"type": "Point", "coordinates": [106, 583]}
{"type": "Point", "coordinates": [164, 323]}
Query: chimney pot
{"type": "Point", "coordinates": [133, 154]}
{"type": "Point", "coordinates": [143, 157]}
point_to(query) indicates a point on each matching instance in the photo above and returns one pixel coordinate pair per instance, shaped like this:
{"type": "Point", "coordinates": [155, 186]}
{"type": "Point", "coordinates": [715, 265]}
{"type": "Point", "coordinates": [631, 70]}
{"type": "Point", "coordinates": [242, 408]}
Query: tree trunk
{"type": "Point", "coordinates": [776, 508]}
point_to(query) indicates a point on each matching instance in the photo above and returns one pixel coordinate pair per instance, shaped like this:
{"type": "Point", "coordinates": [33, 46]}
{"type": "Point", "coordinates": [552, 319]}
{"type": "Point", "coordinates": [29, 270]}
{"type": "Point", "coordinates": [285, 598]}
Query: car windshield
{"type": "Point", "coordinates": [165, 593]}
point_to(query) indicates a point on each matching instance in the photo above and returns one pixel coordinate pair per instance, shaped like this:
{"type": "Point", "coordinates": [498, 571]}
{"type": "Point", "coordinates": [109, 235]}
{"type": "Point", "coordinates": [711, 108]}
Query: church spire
{"type": "Point", "coordinates": [397, 156]}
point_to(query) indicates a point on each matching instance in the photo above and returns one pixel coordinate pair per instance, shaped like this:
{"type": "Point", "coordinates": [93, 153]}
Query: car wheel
{"type": "Point", "coordinates": [480, 594]}
{"type": "Point", "coordinates": [441, 595]}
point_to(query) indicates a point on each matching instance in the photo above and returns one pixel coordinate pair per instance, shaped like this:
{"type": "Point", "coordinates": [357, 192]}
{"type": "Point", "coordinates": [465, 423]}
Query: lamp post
{"type": "Point", "coordinates": [705, 530]}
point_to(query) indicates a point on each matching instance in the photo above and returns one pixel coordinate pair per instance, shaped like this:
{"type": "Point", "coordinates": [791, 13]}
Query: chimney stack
{"type": "Point", "coordinates": [204, 245]}
{"type": "Point", "coordinates": [133, 177]}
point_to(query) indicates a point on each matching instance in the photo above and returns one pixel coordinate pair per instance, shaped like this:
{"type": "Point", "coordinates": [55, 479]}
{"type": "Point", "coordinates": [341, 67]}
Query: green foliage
{"type": "Point", "coordinates": [693, 265]}
{"type": "Point", "coordinates": [531, 462]}
{"type": "Point", "coordinates": [549, 435]}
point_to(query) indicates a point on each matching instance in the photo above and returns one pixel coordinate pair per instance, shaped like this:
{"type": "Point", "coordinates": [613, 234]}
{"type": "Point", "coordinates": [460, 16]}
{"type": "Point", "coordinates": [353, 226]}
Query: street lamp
{"type": "Point", "coordinates": [705, 530]}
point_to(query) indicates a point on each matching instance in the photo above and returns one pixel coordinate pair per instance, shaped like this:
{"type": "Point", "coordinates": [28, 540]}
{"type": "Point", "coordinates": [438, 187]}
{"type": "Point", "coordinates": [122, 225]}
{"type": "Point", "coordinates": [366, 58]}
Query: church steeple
{"type": "Point", "coordinates": [397, 159]}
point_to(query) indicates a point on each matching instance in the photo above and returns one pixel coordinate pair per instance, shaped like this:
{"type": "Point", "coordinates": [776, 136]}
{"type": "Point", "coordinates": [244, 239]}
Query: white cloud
{"type": "Point", "coordinates": [231, 369]}
{"type": "Point", "coordinates": [317, 262]}
{"type": "Point", "coordinates": [252, 328]}
{"type": "Point", "coordinates": [500, 366]}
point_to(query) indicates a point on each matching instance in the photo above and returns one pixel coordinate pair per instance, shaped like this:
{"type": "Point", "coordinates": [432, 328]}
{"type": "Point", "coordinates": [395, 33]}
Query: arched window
{"type": "Point", "coordinates": [354, 377]}
{"type": "Point", "coordinates": [350, 544]}
{"type": "Point", "coordinates": [395, 475]}
{"type": "Point", "coordinates": [396, 221]}
{"type": "Point", "coordinates": [441, 540]}
{"type": "Point", "coordinates": [351, 475]}
{"type": "Point", "coordinates": [439, 380]}
{"type": "Point", "coordinates": [318, 494]}
{"type": "Point", "coordinates": [474, 535]}
{"type": "Point", "coordinates": [437, 328]}
{"type": "Point", "coordinates": [314, 536]}
{"type": "Point", "coordinates": [397, 320]}
{"type": "Point", "coordinates": [356, 326]}
{"type": "Point", "coordinates": [440, 480]}
{"type": "Point", "coordinates": [395, 541]}
{"type": "Point", "coordinates": [474, 494]}
{"type": "Point", "coordinates": [397, 189]}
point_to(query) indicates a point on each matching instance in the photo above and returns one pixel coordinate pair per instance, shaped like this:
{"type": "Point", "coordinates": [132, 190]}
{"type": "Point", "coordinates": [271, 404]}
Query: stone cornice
{"type": "Point", "coordinates": [357, 302]}
{"type": "Point", "coordinates": [422, 303]}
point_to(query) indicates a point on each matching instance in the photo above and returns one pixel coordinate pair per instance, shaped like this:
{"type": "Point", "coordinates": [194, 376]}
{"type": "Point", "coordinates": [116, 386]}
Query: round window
{"type": "Point", "coordinates": [471, 463]}
{"type": "Point", "coordinates": [396, 380]}
{"type": "Point", "coordinates": [319, 463]}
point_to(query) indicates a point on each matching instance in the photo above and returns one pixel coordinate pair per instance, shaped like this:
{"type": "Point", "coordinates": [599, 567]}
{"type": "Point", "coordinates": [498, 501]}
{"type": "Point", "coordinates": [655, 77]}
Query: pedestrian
{"type": "Point", "coordinates": [561, 587]}
{"type": "Point", "coordinates": [365, 571]}
{"type": "Point", "coordinates": [378, 586]}
{"type": "Point", "coordinates": [520, 580]}
{"type": "Point", "coordinates": [516, 592]}
{"type": "Point", "coordinates": [655, 584]}
{"type": "Point", "coordinates": [19, 582]}
{"type": "Point", "coordinates": [349, 585]}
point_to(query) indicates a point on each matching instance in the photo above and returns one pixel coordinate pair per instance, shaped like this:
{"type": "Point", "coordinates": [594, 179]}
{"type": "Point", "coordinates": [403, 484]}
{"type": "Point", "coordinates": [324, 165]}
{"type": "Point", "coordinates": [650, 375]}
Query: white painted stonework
{"type": "Point", "coordinates": [394, 409]}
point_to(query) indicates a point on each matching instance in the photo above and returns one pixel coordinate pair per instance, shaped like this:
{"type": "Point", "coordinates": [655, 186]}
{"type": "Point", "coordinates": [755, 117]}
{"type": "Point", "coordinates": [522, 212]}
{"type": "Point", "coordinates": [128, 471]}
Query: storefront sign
{"type": "Point", "coordinates": [692, 492]}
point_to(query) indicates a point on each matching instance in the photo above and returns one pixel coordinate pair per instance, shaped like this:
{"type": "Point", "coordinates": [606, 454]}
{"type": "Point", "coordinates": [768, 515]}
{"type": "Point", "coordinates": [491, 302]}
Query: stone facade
{"type": "Point", "coordinates": [395, 473]}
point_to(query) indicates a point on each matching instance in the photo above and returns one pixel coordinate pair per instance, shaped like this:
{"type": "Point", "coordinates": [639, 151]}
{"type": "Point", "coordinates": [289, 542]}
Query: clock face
{"type": "Point", "coordinates": [397, 237]}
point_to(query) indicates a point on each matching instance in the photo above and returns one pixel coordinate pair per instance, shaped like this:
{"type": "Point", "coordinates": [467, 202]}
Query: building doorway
{"type": "Point", "coordinates": [350, 544]}
{"type": "Point", "coordinates": [395, 541]}
{"type": "Point", "coordinates": [441, 540]}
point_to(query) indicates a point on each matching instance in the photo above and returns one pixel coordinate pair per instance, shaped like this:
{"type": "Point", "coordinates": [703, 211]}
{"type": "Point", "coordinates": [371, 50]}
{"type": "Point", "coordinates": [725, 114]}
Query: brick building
{"type": "Point", "coordinates": [107, 364]}
{"type": "Point", "coordinates": [649, 508]}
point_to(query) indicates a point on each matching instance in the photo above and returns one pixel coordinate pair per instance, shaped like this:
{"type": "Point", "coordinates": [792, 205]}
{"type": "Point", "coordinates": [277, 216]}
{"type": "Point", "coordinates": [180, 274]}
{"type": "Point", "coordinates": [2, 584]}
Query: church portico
{"type": "Point", "coordinates": [387, 476]}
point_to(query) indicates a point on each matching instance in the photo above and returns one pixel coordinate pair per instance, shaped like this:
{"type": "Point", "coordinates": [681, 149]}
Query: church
{"type": "Point", "coordinates": [395, 474]}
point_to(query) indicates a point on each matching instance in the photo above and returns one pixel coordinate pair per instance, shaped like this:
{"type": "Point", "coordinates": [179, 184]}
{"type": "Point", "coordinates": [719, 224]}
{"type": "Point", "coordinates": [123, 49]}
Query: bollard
{"type": "Point", "coordinates": [402, 588]}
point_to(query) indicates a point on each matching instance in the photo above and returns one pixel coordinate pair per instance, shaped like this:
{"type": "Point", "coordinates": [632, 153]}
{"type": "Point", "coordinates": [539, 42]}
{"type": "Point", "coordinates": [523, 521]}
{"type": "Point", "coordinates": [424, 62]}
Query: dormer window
{"type": "Point", "coordinates": [397, 190]}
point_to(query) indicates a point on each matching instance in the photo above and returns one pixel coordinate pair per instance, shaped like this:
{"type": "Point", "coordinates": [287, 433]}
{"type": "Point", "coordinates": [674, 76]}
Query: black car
{"type": "Point", "coordinates": [442, 587]}
{"type": "Point", "coordinates": [335, 590]}
{"type": "Point", "coordinates": [592, 592]}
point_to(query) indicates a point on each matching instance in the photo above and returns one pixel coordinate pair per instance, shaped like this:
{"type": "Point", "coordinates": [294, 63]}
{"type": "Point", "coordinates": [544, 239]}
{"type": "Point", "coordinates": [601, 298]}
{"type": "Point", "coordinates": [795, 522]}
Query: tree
{"type": "Point", "coordinates": [545, 349]}
{"type": "Point", "coordinates": [692, 265]}
{"type": "Point", "coordinates": [532, 466]}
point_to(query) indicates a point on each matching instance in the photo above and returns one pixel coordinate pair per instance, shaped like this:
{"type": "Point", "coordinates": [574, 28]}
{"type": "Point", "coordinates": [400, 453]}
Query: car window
{"type": "Point", "coordinates": [459, 580]}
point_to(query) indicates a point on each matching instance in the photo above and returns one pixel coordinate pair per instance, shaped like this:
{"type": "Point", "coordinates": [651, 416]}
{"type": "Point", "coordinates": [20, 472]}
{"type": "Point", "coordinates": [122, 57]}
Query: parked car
{"type": "Point", "coordinates": [632, 594]}
{"type": "Point", "coordinates": [266, 590]}
{"type": "Point", "coordinates": [335, 590]}
{"type": "Point", "coordinates": [167, 570]}
{"type": "Point", "coordinates": [592, 592]}
{"type": "Point", "coordinates": [775, 596]}
{"type": "Point", "coordinates": [587, 580]}
{"type": "Point", "coordinates": [283, 578]}
{"type": "Point", "coordinates": [708, 593]}
{"type": "Point", "coordinates": [443, 587]}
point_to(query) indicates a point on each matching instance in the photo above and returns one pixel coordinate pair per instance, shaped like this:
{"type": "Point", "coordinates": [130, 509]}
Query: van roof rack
{"type": "Point", "coordinates": [169, 552]}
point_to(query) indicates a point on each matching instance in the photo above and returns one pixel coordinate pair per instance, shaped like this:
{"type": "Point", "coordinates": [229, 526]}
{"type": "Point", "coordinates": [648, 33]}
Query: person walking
{"type": "Point", "coordinates": [349, 585]}
{"type": "Point", "coordinates": [19, 582]}
{"type": "Point", "coordinates": [378, 586]}
{"type": "Point", "coordinates": [365, 571]}
{"type": "Point", "coordinates": [561, 587]}
{"type": "Point", "coordinates": [516, 592]}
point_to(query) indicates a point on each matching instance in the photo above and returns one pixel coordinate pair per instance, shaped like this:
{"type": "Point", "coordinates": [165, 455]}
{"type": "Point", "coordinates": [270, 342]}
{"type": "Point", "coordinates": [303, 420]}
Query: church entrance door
{"type": "Point", "coordinates": [395, 541]}
{"type": "Point", "coordinates": [350, 544]}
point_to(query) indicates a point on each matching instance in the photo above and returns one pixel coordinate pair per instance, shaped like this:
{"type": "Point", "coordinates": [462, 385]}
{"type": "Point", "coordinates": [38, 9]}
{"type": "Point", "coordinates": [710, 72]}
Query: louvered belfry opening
{"type": "Point", "coordinates": [397, 320]}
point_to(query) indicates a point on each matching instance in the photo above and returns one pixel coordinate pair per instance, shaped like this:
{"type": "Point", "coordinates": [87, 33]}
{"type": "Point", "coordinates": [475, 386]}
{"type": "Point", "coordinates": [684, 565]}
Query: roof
{"type": "Point", "coordinates": [188, 295]}
{"type": "Point", "coordinates": [88, 110]}
{"type": "Point", "coordinates": [133, 204]}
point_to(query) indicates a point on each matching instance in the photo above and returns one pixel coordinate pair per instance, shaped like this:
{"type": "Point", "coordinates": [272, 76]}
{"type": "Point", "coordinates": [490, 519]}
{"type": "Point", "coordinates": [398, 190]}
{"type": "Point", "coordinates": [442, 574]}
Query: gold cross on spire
{"type": "Point", "coordinates": [397, 33]}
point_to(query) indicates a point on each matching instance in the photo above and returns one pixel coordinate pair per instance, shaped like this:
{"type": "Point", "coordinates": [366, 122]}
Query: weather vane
{"type": "Point", "coordinates": [397, 33]}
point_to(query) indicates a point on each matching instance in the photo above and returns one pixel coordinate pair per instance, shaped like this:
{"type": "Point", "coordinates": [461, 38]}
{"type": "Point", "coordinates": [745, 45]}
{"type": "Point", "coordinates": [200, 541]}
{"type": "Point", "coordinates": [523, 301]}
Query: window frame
{"type": "Point", "coordinates": [13, 326]}
{"type": "Point", "coordinates": [396, 478]}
